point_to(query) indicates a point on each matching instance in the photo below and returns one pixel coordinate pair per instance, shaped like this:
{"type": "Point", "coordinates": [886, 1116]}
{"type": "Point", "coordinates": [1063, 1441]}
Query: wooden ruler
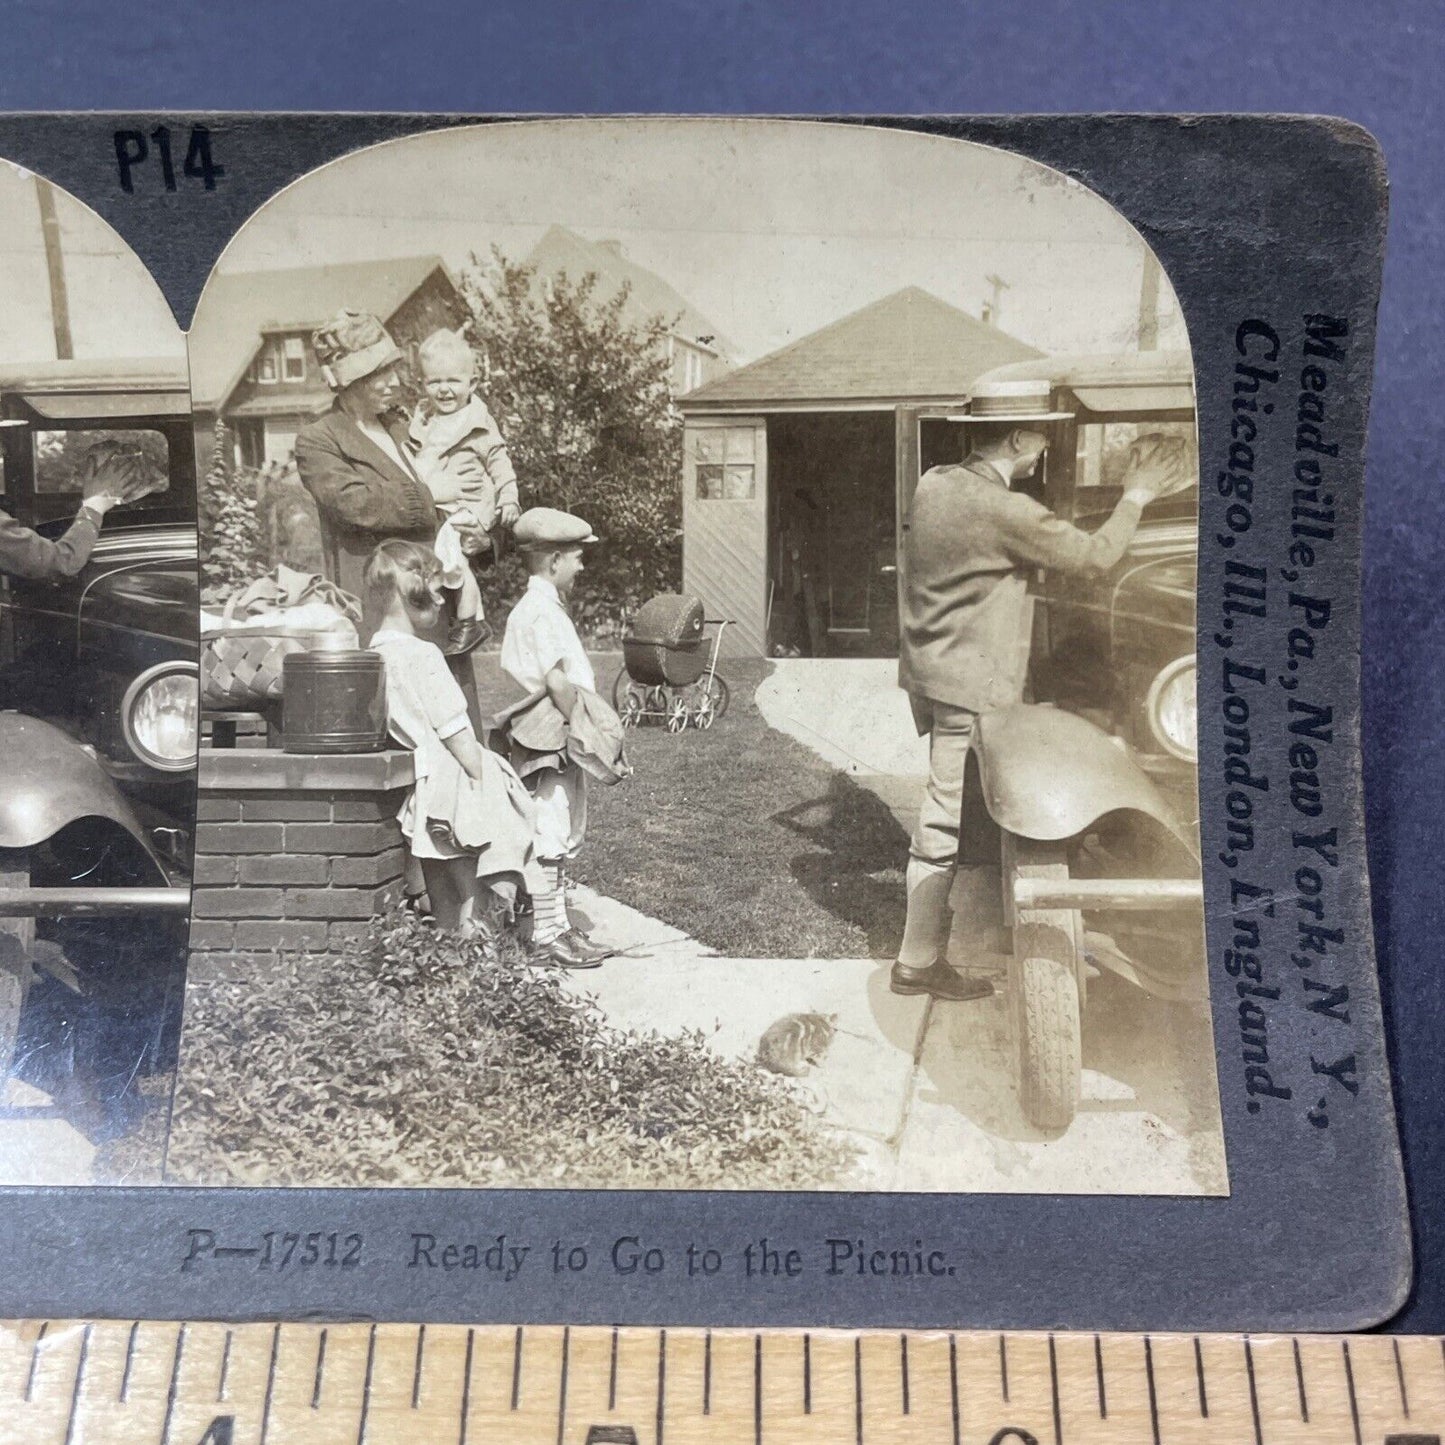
{"type": "Point", "coordinates": [74, 1383]}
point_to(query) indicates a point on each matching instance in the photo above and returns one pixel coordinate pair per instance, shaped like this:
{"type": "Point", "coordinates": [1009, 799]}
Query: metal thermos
{"type": "Point", "coordinates": [333, 702]}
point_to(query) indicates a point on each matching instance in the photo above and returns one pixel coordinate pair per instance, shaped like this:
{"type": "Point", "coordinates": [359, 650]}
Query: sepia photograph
{"type": "Point", "coordinates": [697, 675]}
{"type": "Point", "coordinates": [98, 695]}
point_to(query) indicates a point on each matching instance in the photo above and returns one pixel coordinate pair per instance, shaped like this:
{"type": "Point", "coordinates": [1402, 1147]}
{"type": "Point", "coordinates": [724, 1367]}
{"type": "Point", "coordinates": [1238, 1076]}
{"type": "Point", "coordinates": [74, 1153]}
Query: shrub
{"type": "Point", "coordinates": [231, 537]}
{"type": "Point", "coordinates": [415, 1058]}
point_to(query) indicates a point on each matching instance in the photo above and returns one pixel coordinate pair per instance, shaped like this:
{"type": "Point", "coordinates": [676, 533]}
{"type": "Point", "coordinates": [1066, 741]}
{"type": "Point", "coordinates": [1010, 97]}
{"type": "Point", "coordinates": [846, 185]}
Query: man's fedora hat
{"type": "Point", "coordinates": [1014, 401]}
{"type": "Point", "coordinates": [352, 345]}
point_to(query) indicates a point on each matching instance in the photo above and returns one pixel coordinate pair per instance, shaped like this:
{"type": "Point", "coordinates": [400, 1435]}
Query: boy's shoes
{"type": "Point", "coordinates": [939, 981]}
{"type": "Point", "coordinates": [465, 637]}
{"type": "Point", "coordinates": [571, 950]}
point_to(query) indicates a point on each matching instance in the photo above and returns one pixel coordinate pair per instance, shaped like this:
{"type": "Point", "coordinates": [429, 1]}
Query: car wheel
{"type": "Point", "coordinates": [17, 947]}
{"type": "Point", "coordinates": [1044, 989]}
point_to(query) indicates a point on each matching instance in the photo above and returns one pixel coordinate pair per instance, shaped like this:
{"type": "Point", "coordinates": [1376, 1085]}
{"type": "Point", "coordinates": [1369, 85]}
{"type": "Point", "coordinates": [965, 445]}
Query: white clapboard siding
{"type": "Point", "coordinates": [725, 544]}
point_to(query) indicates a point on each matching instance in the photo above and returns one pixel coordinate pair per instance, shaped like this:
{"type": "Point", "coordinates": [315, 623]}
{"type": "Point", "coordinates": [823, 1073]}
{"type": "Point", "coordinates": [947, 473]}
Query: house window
{"type": "Point", "coordinates": [294, 356]}
{"type": "Point", "coordinates": [726, 463]}
{"type": "Point", "coordinates": [266, 363]}
{"type": "Point", "coordinates": [251, 441]}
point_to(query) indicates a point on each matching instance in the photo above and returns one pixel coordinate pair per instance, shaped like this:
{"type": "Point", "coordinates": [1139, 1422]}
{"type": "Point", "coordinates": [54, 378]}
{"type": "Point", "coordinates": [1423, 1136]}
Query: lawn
{"type": "Point", "coordinates": [740, 836]}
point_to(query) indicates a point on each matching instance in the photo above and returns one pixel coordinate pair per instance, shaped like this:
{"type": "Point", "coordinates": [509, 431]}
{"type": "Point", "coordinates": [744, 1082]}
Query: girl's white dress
{"type": "Point", "coordinates": [448, 813]}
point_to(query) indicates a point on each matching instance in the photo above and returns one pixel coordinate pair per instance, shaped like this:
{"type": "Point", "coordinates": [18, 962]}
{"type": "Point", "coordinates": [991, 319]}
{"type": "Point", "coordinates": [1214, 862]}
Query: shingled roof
{"type": "Point", "coordinates": [909, 346]}
{"type": "Point", "coordinates": [238, 306]}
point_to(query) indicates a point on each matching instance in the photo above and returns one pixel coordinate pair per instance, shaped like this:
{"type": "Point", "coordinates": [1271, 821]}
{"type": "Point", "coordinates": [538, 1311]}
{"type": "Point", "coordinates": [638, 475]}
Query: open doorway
{"type": "Point", "coordinates": [832, 566]}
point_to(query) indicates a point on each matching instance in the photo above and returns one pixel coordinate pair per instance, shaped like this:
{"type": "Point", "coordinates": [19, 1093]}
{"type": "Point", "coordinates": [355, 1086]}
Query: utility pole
{"type": "Point", "coordinates": [1149, 303]}
{"type": "Point", "coordinates": [55, 266]}
{"type": "Point", "coordinates": [991, 308]}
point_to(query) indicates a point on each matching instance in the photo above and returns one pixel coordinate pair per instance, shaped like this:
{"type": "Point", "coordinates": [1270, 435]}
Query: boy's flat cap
{"type": "Point", "coordinates": [539, 527]}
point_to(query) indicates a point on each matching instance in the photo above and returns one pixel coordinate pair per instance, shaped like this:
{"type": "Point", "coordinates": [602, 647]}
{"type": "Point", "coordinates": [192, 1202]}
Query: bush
{"type": "Point", "coordinates": [232, 540]}
{"type": "Point", "coordinates": [578, 382]}
{"type": "Point", "coordinates": [415, 1058]}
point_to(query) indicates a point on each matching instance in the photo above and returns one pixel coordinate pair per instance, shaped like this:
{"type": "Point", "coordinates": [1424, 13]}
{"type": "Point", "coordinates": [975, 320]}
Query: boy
{"type": "Point", "coordinates": [459, 453]}
{"type": "Point", "coordinates": [542, 652]}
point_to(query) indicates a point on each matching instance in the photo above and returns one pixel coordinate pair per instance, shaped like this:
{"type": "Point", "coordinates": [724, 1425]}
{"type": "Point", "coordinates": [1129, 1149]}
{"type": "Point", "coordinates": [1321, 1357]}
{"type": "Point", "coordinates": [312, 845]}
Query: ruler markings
{"type": "Point", "coordinates": [517, 1368]}
{"type": "Point", "coordinates": [858, 1389]}
{"type": "Point", "coordinates": [1299, 1378]}
{"type": "Point", "coordinates": [1350, 1386]}
{"type": "Point", "coordinates": [562, 1386]}
{"type": "Point", "coordinates": [953, 1385]}
{"type": "Point", "coordinates": [1153, 1391]}
{"type": "Point", "coordinates": [79, 1381]}
{"type": "Point", "coordinates": [1003, 1366]}
{"type": "Point", "coordinates": [661, 1382]}
{"type": "Point", "coordinates": [35, 1361]}
{"type": "Point", "coordinates": [757, 1390]}
{"type": "Point", "coordinates": [174, 1386]}
{"type": "Point", "coordinates": [270, 1384]}
{"type": "Point", "coordinates": [123, 1393]}
{"type": "Point", "coordinates": [1400, 1379]}
{"type": "Point", "coordinates": [1054, 1391]}
{"type": "Point", "coordinates": [320, 1368]}
{"type": "Point", "coordinates": [1253, 1392]}
{"type": "Point", "coordinates": [76, 1370]}
{"type": "Point", "coordinates": [466, 1406]}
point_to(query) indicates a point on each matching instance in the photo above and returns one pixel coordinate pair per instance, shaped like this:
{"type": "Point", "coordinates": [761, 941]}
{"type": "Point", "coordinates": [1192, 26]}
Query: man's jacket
{"type": "Point", "coordinates": [362, 495]}
{"type": "Point", "coordinates": [966, 608]}
{"type": "Point", "coordinates": [34, 558]}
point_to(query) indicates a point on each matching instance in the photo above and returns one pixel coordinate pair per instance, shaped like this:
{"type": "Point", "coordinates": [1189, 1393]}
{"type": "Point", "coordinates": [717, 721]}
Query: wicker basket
{"type": "Point", "coordinates": [666, 644]}
{"type": "Point", "coordinates": [243, 670]}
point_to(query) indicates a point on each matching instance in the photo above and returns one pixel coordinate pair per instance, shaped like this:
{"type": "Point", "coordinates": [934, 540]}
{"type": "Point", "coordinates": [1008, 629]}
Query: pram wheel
{"type": "Point", "coordinates": [630, 705]}
{"type": "Point", "coordinates": [714, 696]}
{"type": "Point", "coordinates": [678, 713]}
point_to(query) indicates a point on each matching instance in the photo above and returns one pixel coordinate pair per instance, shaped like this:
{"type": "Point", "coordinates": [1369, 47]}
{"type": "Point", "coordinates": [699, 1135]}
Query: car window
{"type": "Point", "coordinates": [1104, 448]}
{"type": "Point", "coordinates": [64, 458]}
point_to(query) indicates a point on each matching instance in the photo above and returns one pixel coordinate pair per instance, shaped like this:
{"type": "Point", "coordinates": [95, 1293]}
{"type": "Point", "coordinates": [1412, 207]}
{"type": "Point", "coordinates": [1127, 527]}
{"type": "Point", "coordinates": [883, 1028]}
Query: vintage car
{"type": "Point", "coordinates": [98, 686]}
{"type": "Point", "coordinates": [1087, 790]}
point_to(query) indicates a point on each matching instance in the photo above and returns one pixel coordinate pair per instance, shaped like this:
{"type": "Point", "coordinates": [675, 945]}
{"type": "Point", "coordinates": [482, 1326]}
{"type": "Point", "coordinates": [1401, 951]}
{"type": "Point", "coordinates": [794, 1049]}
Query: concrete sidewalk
{"type": "Point", "coordinates": [926, 1090]}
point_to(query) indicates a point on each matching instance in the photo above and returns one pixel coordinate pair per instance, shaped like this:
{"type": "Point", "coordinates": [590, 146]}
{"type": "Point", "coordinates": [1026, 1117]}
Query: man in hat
{"type": "Point", "coordinates": [353, 460]}
{"type": "Point", "coordinates": [964, 643]}
{"type": "Point", "coordinates": [541, 651]}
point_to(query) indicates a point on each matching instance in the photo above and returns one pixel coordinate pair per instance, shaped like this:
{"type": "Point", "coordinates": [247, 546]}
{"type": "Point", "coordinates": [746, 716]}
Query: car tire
{"type": "Point", "coordinates": [1050, 1038]}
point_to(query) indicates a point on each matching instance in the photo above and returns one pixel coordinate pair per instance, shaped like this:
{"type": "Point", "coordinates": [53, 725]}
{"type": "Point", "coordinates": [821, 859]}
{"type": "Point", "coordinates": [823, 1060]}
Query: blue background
{"type": "Point", "coordinates": [1380, 65]}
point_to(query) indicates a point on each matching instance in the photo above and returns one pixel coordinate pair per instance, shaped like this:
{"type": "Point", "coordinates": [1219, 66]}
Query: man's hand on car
{"type": "Point", "coordinates": [1156, 466]}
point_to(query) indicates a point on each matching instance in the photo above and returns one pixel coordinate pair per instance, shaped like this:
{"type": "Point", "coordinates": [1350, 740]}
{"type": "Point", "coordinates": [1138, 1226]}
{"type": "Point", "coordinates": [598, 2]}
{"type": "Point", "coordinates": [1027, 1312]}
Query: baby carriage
{"type": "Point", "coordinates": [669, 671]}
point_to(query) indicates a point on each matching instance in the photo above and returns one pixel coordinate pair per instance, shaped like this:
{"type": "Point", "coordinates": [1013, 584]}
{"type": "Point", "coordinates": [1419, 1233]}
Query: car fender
{"type": "Point", "coordinates": [51, 781]}
{"type": "Point", "coordinates": [1048, 774]}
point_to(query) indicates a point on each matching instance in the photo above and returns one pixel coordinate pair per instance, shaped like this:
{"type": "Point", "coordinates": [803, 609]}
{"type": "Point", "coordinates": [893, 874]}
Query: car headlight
{"type": "Point", "coordinates": [161, 714]}
{"type": "Point", "coordinates": [1173, 709]}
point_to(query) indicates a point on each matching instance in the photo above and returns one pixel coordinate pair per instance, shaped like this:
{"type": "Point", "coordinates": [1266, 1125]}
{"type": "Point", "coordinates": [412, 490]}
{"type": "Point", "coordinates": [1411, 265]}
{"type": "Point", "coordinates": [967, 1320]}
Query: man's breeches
{"type": "Point", "coordinates": [935, 839]}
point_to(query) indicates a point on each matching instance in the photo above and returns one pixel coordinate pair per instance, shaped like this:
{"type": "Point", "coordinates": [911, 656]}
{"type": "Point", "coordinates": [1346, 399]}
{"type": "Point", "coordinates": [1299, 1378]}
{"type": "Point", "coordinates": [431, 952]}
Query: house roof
{"type": "Point", "coordinates": [238, 306]}
{"type": "Point", "coordinates": [574, 255]}
{"type": "Point", "coordinates": [909, 346]}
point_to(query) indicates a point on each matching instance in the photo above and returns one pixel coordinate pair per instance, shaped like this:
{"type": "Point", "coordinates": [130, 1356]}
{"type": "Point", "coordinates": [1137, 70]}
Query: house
{"type": "Point", "coordinates": [251, 359]}
{"type": "Point", "coordinates": [697, 351]}
{"type": "Point", "coordinates": [798, 467]}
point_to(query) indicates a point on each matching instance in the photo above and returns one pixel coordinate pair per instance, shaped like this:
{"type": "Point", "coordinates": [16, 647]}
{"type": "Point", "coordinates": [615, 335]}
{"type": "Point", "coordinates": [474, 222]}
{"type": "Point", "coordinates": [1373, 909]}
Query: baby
{"type": "Point", "coordinates": [459, 453]}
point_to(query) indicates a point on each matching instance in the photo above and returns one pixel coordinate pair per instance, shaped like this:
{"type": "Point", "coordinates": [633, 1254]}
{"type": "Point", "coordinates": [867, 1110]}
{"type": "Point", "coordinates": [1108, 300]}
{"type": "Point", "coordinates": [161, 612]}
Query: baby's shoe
{"type": "Point", "coordinates": [466, 636]}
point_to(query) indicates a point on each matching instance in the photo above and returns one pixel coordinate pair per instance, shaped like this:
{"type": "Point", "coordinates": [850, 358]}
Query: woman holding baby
{"type": "Point", "coordinates": [441, 477]}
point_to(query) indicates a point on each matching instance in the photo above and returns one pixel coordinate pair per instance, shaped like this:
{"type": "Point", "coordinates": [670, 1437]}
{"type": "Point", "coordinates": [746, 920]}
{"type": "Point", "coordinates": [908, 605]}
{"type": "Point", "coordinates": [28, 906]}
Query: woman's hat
{"type": "Point", "coordinates": [352, 345]}
{"type": "Point", "coordinates": [1015, 401]}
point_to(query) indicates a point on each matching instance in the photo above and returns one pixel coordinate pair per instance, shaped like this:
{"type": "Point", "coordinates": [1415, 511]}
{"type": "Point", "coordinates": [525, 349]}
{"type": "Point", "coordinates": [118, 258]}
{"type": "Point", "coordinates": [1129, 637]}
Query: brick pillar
{"type": "Point", "coordinates": [294, 854]}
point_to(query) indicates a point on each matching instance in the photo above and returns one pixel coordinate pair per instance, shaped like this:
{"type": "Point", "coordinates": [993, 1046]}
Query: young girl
{"type": "Point", "coordinates": [468, 819]}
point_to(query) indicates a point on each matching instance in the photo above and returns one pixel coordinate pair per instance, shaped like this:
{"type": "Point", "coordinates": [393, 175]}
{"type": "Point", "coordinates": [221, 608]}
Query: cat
{"type": "Point", "coordinates": [796, 1043]}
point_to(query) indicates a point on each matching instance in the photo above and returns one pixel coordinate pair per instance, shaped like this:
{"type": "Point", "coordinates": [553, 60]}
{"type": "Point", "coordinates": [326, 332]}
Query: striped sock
{"type": "Point", "coordinates": [549, 908]}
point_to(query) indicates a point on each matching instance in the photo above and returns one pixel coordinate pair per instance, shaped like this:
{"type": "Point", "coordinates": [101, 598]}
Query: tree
{"type": "Point", "coordinates": [581, 394]}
